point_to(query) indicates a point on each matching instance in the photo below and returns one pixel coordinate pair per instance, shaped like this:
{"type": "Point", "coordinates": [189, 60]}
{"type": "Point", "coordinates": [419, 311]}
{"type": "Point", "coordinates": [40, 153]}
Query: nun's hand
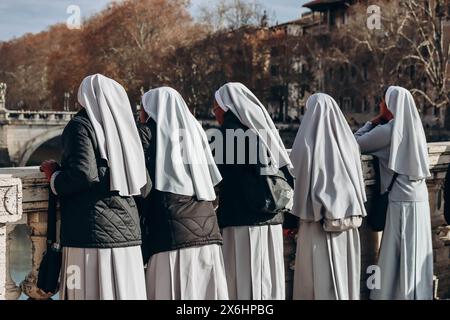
{"type": "Point", "coordinates": [143, 117]}
{"type": "Point", "coordinates": [49, 167]}
{"type": "Point", "coordinates": [377, 120]}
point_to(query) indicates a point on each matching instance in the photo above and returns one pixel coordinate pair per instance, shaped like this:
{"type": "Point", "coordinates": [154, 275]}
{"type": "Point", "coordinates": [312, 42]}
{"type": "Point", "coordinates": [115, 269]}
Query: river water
{"type": "Point", "coordinates": [20, 255]}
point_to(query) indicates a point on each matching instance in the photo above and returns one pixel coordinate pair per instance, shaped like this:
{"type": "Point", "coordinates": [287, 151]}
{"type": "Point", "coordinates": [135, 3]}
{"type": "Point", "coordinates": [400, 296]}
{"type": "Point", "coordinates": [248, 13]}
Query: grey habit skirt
{"type": "Point", "coordinates": [102, 274]}
{"type": "Point", "coordinates": [406, 254]}
{"type": "Point", "coordinates": [327, 265]}
{"type": "Point", "coordinates": [254, 262]}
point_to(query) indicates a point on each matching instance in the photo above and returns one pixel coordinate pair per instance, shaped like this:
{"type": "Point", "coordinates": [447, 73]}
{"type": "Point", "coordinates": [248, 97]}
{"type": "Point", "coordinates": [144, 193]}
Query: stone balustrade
{"type": "Point", "coordinates": [13, 116]}
{"type": "Point", "coordinates": [24, 194]}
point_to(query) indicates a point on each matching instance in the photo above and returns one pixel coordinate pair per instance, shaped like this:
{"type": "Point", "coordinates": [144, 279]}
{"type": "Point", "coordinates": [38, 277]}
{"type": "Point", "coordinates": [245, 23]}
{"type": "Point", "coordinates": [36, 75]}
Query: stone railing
{"type": "Point", "coordinates": [24, 194]}
{"type": "Point", "coordinates": [23, 200]}
{"type": "Point", "coordinates": [36, 116]}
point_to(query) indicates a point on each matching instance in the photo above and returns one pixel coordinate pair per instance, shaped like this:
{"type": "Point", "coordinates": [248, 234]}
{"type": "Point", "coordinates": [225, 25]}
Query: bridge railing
{"type": "Point", "coordinates": [22, 115]}
{"type": "Point", "coordinates": [24, 194]}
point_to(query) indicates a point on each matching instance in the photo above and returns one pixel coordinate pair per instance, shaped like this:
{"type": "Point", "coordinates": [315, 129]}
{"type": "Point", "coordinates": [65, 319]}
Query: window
{"type": "Point", "coordinates": [353, 72]}
{"type": "Point", "coordinates": [274, 52]}
{"type": "Point", "coordinates": [365, 105]}
{"type": "Point", "coordinates": [304, 88]}
{"type": "Point", "coordinates": [342, 73]}
{"type": "Point", "coordinates": [366, 72]}
{"type": "Point", "coordinates": [330, 73]}
{"type": "Point", "coordinates": [377, 101]}
{"type": "Point", "coordinates": [332, 17]}
{"type": "Point", "coordinates": [275, 70]}
{"type": "Point", "coordinates": [347, 104]}
{"type": "Point", "coordinates": [412, 73]}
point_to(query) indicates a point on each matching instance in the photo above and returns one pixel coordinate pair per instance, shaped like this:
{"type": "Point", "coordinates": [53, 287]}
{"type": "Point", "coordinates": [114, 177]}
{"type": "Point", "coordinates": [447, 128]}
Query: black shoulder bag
{"type": "Point", "coordinates": [50, 268]}
{"type": "Point", "coordinates": [377, 216]}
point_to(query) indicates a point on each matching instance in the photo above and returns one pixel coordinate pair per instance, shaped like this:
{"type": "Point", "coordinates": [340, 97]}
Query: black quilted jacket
{"type": "Point", "coordinates": [91, 215]}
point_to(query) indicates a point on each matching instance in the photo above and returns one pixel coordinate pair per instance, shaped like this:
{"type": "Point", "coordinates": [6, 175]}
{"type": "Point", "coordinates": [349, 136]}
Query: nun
{"type": "Point", "coordinates": [184, 240]}
{"type": "Point", "coordinates": [397, 138]}
{"type": "Point", "coordinates": [329, 199]}
{"type": "Point", "coordinates": [102, 168]}
{"type": "Point", "coordinates": [253, 238]}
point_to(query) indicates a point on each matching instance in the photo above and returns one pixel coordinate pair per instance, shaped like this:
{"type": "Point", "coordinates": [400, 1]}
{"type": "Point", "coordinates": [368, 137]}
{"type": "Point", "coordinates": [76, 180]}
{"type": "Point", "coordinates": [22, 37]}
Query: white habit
{"type": "Point", "coordinates": [185, 168]}
{"type": "Point", "coordinates": [329, 199]}
{"type": "Point", "coordinates": [406, 254]}
{"type": "Point", "coordinates": [254, 262]}
{"type": "Point", "coordinates": [254, 255]}
{"type": "Point", "coordinates": [187, 274]}
{"type": "Point", "coordinates": [102, 274]}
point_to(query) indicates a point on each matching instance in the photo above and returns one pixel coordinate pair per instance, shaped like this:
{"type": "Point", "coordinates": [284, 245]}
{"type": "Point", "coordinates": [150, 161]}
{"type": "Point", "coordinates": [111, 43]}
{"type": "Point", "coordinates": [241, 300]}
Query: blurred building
{"type": "Point", "coordinates": [296, 70]}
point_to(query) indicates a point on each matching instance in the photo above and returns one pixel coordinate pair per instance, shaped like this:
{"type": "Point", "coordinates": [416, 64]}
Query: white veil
{"type": "Point", "coordinates": [329, 182]}
{"type": "Point", "coordinates": [184, 167]}
{"type": "Point", "coordinates": [409, 151]}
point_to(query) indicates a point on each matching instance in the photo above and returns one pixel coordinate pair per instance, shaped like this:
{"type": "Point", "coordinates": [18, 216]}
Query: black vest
{"type": "Point", "coordinates": [172, 221]}
{"type": "Point", "coordinates": [239, 186]}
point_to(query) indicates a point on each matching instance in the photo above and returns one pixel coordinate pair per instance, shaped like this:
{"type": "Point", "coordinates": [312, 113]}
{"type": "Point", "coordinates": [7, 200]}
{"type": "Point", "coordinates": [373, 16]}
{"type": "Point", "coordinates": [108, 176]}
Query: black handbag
{"type": "Point", "coordinates": [50, 267]}
{"type": "Point", "coordinates": [376, 218]}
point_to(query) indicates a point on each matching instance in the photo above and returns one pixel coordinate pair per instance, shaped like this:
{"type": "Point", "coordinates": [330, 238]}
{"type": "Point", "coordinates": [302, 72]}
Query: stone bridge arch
{"type": "Point", "coordinates": [32, 145]}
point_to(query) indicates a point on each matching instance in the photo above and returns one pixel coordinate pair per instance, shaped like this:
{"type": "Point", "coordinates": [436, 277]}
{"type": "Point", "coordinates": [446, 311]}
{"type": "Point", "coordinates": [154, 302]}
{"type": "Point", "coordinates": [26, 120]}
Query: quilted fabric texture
{"type": "Point", "coordinates": [91, 215]}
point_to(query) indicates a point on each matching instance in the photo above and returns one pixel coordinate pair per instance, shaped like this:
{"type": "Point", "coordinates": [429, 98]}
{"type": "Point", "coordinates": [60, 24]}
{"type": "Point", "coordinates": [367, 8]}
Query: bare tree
{"type": "Point", "coordinates": [410, 50]}
{"type": "Point", "coordinates": [426, 29]}
{"type": "Point", "coordinates": [233, 14]}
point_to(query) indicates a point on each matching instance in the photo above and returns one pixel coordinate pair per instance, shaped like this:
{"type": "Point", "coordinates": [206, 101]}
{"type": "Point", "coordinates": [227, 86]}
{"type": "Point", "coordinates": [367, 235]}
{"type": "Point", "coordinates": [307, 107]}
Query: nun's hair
{"type": "Point", "coordinates": [385, 90]}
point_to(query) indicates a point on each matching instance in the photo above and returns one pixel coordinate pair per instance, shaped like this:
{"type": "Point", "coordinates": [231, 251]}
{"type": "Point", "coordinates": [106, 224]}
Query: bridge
{"type": "Point", "coordinates": [23, 132]}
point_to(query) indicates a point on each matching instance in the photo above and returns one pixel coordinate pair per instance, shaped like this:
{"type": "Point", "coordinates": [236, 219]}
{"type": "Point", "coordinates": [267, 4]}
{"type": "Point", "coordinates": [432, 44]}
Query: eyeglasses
{"type": "Point", "coordinates": [213, 111]}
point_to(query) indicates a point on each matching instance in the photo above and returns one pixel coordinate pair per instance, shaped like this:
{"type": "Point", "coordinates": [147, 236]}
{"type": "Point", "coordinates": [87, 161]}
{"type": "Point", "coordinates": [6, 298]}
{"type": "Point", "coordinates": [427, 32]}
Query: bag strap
{"type": "Point", "coordinates": [51, 218]}
{"type": "Point", "coordinates": [394, 178]}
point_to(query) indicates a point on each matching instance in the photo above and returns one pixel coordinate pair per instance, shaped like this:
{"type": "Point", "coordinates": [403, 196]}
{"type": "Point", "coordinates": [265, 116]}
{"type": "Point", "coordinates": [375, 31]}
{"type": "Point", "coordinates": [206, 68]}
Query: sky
{"type": "Point", "coordinates": [18, 17]}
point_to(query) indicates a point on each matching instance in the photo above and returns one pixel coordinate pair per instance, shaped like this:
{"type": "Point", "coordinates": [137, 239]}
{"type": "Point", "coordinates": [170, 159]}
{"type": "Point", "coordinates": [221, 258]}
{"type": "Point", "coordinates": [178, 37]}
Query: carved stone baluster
{"type": "Point", "coordinates": [37, 221]}
{"type": "Point", "coordinates": [2, 261]}
{"type": "Point", "coordinates": [12, 290]}
{"type": "Point", "coordinates": [10, 212]}
{"type": "Point", "coordinates": [3, 96]}
{"type": "Point", "coordinates": [35, 203]}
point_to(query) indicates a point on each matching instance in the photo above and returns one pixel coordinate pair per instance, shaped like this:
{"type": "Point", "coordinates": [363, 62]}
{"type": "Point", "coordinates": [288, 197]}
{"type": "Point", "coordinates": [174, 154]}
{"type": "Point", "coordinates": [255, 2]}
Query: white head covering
{"type": "Point", "coordinates": [252, 114]}
{"type": "Point", "coordinates": [109, 110]}
{"type": "Point", "coordinates": [186, 167]}
{"type": "Point", "coordinates": [409, 151]}
{"type": "Point", "coordinates": [327, 164]}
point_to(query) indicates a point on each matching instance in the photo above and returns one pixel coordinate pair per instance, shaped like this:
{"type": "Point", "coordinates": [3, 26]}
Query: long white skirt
{"type": "Point", "coordinates": [187, 274]}
{"type": "Point", "coordinates": [406, 254]}
{"type": "Point", "coordinates": [102, 274]}
{"type": "Point", "coordinates": [254, 262]}
{"type": "Point", "coordinates": [327, 265]}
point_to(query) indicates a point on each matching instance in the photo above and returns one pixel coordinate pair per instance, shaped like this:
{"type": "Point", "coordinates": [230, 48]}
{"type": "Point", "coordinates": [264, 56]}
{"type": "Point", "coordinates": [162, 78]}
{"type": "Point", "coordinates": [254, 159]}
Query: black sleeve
{"type": "Point", "coordinates": [146, 137]}
{"type": "Point", "coordinates": [447, 196]}
{"type": "Point", "coordinates": [288, 176]}
{"type": "Point", "coordinates": [79, 171]}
